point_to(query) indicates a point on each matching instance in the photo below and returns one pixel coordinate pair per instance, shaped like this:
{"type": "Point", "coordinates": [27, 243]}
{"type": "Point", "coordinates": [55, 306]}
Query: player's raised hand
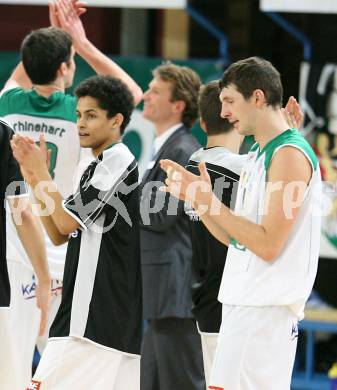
{"type": "Point", "coordinates": [70, 21]}
{"type": "Point", "coordinates": [79, 6]}
{"type": "Point", "coordinates": [185, 185]}
{"type": "Point", "coordinates": [53, 17]}
{"type": "Point", "coordinates": [31, 157]}
{"type": "Point", "coordinates": [18, 144]}
{"type": "Point", "coordinates": [293, 113]}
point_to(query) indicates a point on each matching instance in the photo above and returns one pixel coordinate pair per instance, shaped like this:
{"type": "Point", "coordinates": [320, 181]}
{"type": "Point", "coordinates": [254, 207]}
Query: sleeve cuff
{"type": "Point", "coordinates": [73, 215]}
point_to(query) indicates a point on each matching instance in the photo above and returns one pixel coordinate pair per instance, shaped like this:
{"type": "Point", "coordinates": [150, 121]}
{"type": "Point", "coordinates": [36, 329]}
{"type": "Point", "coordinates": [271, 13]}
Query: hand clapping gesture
{"type": "Point", "coordinates": [31, 157]}
{"type": "Point", "coordinates": [184, 185]}
{"type": "Point", "coordinates": [66, 14]}
{"type": "Point", "coordinates": [293, 113]}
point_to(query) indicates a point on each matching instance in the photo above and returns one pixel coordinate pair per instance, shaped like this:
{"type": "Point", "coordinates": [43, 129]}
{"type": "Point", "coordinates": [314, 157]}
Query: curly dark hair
{"type": "Point", "coordinates": [255, 73]}
{"type": "Point", "coordinates": [42, 53]}
{"type": "Point", "coordinates": [210, 109]}
{"type": "Point", "coordinates": [185, 86]}
{"type": "Point", "coordinates": [112, 95]}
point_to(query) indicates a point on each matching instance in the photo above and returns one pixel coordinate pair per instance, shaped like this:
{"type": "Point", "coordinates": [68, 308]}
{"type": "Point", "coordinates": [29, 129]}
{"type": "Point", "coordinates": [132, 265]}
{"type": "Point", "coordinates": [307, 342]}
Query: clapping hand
{"type": "Point", "coordinates": [78, 6]}
{"type": "Point", "coordinates": [293, 113]}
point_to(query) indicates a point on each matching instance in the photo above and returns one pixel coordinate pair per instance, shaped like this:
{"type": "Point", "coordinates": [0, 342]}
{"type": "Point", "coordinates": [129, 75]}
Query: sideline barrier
{"type": "Point", "coordinates": [316, 320]}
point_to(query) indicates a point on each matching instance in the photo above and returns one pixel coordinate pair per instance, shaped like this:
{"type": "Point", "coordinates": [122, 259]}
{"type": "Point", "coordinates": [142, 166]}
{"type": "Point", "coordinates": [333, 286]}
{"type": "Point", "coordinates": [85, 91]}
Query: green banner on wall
{"type": "Point", "coordinates": [139, 136]}
{"type": "Point", "coordinates": [140, 70]}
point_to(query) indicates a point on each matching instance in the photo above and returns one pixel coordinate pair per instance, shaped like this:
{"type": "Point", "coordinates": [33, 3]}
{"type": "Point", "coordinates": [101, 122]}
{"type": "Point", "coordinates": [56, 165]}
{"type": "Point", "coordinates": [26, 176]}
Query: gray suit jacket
{"type": "Point", "coordinates": [166, 251]}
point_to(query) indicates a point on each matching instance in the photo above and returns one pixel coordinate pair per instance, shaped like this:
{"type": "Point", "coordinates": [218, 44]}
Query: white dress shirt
{"type": "Point", "coordinates": [162, 138]}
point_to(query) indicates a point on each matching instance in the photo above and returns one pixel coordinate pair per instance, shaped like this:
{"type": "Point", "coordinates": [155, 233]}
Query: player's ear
{"type": "Point", "coordinates": [258, 97]}
{"type": "Point", "coordinates": [117, 120]}
{"type": "Point", "coordinates": [62, 70]}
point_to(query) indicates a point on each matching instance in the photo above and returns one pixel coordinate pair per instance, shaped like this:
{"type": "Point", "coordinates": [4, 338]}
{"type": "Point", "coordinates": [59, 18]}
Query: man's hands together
{"type": "Point", "coordinates": [65, 14]}
{"type": "Point", "coordinates": [33, 158]}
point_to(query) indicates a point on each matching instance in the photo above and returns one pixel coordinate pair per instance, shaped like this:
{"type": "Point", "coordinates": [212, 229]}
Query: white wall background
{"type": "Point", "coordinates": [303, 6]}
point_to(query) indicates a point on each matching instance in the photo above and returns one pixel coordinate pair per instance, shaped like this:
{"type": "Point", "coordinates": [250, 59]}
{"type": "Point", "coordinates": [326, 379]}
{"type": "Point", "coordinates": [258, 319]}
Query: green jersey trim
{"type": "Point", "coordinates": [289, 137]}
{"type": "Point", "coordinates": [236, 244]}
{"type": "Point", "coordinates": [28, 102]}
{"type": "Point", "coordinates": [255, 147]}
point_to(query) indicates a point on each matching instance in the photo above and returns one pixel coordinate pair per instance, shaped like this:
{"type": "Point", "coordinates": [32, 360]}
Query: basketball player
{"type": "Point", "coordinates": [273, 236]}
{"type": "Point", "coordinates": [34, 102]}
{"type": "Point", "coordinates": [223, 164]}
{"type": "Point", "coordinates": [95, 338]}
{"type": "Point", "coordinates": [13, 188]}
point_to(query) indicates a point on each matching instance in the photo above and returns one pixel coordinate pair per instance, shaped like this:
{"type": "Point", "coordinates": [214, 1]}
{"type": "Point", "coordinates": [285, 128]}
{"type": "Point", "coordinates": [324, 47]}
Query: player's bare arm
{"type": "Point", "coordinates": [286, 194]}
{"type": "Point", "coordinates": [33, 159]}
{"type": "Point", "coordinates": [54, 234]}
{"type": "Point", "coordinates": [32, 239]}
{"type": "Point", "coordinates": [71, 23]}
{"type": "Point", "coordinates": [19, 77]}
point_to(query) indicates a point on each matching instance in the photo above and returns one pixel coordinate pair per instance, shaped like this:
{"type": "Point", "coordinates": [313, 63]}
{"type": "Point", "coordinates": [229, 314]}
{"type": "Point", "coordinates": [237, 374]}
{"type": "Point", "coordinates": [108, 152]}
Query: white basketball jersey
{"type": "Point", "coordinates": [55, 117]}
{"type": "Point", "coordinates": [251, 281]}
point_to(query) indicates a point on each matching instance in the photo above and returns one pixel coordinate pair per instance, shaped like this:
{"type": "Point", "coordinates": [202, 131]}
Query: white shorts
{"type": "Point", "coordinates": [208, 342]}
{"type": "Point", "coordinates": [256, 349]}
{"type": "Point", "coordinates": [8, 369]}
{"type": "Point", "coordinates": [24, 322]}
{"type": "Point", "coordinates": [78, 364]}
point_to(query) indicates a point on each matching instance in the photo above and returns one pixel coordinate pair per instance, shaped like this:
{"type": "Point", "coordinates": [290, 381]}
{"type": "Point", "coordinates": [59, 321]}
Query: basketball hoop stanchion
{"type": "Point", "coordinates": [213, 30]}
{"type": "Point", "coordinates": [316, 320]}
{"type": "Point", "coordinates": [293, 31]}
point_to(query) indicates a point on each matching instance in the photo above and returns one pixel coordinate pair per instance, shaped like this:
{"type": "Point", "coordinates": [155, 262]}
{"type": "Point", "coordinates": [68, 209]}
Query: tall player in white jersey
{"type": "Point", "coordinates": [34, 102]}
{"type": "Point", "coordinates": [224, 165]}
{"type": "Point", "coordinates": [273, 235]}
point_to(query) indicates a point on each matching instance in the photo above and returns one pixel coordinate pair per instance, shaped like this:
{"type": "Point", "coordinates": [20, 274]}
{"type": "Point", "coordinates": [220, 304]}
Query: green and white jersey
{"type": "Point", "coordinates": [249, 280]}
{"type": "Point", "coordinates": [31, 114]}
